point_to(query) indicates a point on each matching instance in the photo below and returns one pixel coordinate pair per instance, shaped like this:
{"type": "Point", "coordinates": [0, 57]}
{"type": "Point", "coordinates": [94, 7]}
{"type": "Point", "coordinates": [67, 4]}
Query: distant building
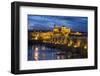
{"type": "Point", "coordinates": [61, 35]}
{"type": "Point", "coordinates": [62, 29]}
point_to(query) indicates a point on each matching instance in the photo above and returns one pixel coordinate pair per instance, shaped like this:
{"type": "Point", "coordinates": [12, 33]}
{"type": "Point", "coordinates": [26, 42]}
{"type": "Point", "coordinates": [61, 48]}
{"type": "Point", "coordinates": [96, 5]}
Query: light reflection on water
{"type": "Point", "coordinates": [39, 52]}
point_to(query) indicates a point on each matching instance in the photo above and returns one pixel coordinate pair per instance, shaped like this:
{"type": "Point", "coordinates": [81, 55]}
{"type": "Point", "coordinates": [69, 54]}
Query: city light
{"type": "Point", "coordinates": [59, 35]}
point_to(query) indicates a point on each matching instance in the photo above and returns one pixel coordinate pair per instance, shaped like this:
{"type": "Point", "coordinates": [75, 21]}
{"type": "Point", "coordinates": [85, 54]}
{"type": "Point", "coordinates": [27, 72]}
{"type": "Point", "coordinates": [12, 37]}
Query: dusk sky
{"type": "Point", "coordinates": [46, 22]}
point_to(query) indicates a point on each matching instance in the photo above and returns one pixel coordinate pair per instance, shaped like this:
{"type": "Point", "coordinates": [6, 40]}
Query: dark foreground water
{"type": "Point", "coordinates": [40, 52]}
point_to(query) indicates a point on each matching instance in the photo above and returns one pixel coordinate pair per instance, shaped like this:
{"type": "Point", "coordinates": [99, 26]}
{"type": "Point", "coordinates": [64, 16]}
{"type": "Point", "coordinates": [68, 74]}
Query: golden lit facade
{"type": "Point", "coordinates": [60, 35]}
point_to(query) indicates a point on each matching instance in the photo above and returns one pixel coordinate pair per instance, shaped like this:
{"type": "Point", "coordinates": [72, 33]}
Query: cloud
{"type": "Point", "coordinates": [47, 22]}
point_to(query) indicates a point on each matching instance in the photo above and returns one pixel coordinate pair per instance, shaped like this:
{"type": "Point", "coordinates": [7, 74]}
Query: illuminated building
{"type": "Point", "coordinates": [61, 35]}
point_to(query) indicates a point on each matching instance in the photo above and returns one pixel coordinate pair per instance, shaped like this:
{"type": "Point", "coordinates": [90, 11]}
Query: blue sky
{"type": "Point", "coordinates": [46, 22]}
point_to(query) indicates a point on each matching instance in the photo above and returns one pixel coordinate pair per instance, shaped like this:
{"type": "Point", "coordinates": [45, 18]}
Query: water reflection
{"type": "Point", "coordinates": [41, 52]}
{"type": "Point", "coordinates": [36, 53]}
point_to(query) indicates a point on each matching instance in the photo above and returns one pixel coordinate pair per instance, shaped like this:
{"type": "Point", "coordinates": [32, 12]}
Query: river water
{"type": "Point", "coordinates": [41, 52]}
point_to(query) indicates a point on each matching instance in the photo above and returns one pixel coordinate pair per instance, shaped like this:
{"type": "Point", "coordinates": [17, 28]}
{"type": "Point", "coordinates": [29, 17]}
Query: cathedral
{"type": "Point", "coordinates": [62, 29]}
{"type": "Point", "coordinates": [60, 34]}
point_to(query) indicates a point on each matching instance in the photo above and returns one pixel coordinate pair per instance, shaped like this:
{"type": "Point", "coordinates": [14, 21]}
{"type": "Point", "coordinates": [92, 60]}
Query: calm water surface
{"type": "Point", "coordinates": [40, 52]}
